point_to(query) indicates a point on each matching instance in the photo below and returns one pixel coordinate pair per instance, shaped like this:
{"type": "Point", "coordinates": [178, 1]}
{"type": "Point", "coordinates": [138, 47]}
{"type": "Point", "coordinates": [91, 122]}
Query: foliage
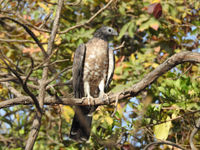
{"type": "Point", "coordinates": [161, 111]}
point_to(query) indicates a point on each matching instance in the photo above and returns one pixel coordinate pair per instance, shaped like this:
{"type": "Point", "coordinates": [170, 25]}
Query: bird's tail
{"type": "Point", "coordinates": [81, 125]}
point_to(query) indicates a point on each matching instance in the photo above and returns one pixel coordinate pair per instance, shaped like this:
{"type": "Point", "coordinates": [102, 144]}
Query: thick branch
{"type": "Point", "coordinates": [133, 91]}
{"type": "Point", "coordinates": [194, 131]}
{"type": "Point", "coordinates": [37, 120]}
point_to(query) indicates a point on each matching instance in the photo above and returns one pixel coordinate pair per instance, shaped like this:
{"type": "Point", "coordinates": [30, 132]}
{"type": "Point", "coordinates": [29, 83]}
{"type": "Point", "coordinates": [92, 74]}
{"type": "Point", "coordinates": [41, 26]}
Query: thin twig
{"type": "Point", "coordinates": [57, 75]}
{"type": "Point", "coordinates": [45, 19]}
{"type": "Point", "coordinates": [74, 3]}
{"type": "Point", "coordinates": [12, 90]}
{"type": "Point", "coordinates": [25, 88]}
{"type": "Point", "coordinates": [89, 20]}
{"type": "Point", "coordinates": [68, 82]}
{"type": "Point", "coordinates": [60, 124]}
{"type": "Point", "coordinates": [45, 61]}
{"type": "Point", "coordinates": [188, 68]}
{"type": "Point", "coordinates": [58, 61]}
{"type": "Point", "coordinates": [178, 117]}
{"type": "Point", "coordinates": [29, 32]}
{"type": "Point", "coordinates": [16, 40]}
{"type": "Point", "coordinates": [116, 102]}
{"type": "Point", "coordinates": [119, 47]}
{"type": "Point", "coordinates": [10, 61]}
{"type": "Point", "coordinates": [163, 142]}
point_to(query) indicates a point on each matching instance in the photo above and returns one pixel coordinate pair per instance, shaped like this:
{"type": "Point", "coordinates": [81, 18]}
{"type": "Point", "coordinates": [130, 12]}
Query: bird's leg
{"type": "Point", "coordinates": [87, 92]}
{"type": "Point", "coordinates": [102, 93]}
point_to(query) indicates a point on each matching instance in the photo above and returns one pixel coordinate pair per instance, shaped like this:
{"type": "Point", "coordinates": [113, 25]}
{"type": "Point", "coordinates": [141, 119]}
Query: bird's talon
{"type": "Point", "coordinates": [89, 99]}
{"type": "Point", "coordinates": [104, 97]}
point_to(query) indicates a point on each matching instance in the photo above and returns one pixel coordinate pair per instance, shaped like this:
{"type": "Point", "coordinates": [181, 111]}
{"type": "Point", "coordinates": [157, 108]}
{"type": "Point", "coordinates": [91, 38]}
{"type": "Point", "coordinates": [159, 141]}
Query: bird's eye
{"type": "Point", "coordinates": [109, 30]}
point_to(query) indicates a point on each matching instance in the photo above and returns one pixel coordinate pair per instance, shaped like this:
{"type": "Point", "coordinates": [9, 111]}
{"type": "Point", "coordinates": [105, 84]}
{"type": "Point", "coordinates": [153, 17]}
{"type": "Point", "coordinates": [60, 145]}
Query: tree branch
{"type": "Point", "coordinates": [42, 84]}
{"type": "Point", "coordinates": [163, 142]}
{"type": "Point", "coordinates": [194, 131]}
{"type": "Point", "coordinates": [133, 91]}
{"type": "Point", "coordinates": [16, 40]}
{"type": "Point", "coordinates": [12, 89]}
{"type": "Point", "coordinates": [29, 32]}
{"type": "Point", "coordinates": [89, 20]}
{"type": "Point", "coordinates": [24, 86]}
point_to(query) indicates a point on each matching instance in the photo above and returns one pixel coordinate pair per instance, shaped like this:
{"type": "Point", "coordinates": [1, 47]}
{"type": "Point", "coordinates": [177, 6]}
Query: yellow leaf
{"type": "Point", "coordinates": [154, 65]}
{"type": "Point", "coordinates": [107, 119]}
{"type": "Point", "coordinates": [154, 1]}
{"type": "Point", "coordinates": [17, 117]}
{"type": "Point", "coordinates": [45, 7]}
{"type": "Point", "coordinates": [58, 39]}
{"type": "Point", "coordinates": [85, 2]}
{"type": "Point", "coordinates": [103, 116]}
{"type": "Point", "coordinates": [146, 65]}
{"type": "Point", "coordinates": [174, 115]}
{"type": "Point", "coordinates": [195, 68]}
{"type": "Point", "coordinates": [175, 19]}
{"type": "Point", "coordinates": [120, 109]}
{"type": "Point", "coordinates": [45, 47]}
{"type": "Point", "coordinates": [68, 112]}
{"type": "Point", "coordinates": [132, 58]}
{"type": "Point", "coordinates": [161, 131]}
{"type": "Point", "coordinates": [177, 50]}
{"type": "Point", "coordinates": [44, 37]}
{"type": "Point", "coordinates": [95, 116]}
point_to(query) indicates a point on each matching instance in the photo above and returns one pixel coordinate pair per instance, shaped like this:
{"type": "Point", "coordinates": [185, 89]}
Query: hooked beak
{"type": "Point", "coordinates": [115, 33]}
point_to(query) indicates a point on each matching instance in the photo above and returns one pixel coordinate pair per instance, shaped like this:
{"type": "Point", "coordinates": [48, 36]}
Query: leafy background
{"type": "Point", "coordinates": [166, 110]}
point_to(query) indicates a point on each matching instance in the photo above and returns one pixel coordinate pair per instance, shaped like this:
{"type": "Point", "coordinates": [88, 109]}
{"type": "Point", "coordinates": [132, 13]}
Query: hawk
{"type": "Point", "coordinates": [92, 71]}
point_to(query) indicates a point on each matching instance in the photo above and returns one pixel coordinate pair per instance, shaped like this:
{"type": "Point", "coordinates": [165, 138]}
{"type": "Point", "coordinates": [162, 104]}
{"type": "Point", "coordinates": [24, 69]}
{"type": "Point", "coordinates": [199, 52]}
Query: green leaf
{"type": "Point", "coordinates": [123, 30]}
{"type": "Point", "coordinates": [131, 29]}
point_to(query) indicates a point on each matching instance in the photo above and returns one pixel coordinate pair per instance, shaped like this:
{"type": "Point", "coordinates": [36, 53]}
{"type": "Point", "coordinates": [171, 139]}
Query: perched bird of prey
{"type": "Point", "coordinates": [92, 72]}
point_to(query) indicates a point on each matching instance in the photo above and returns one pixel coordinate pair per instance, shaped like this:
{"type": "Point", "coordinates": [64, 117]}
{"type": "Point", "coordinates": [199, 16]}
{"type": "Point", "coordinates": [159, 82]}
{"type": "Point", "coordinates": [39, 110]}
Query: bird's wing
{"type": "Point", "coordinates": [77, 71]}
{"type": "Point", "coordinates": [111, 68]}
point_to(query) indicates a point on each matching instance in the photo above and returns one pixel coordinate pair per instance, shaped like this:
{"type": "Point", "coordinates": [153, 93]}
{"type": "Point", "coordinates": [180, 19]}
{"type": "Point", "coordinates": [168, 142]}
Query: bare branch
{"type": "Point", "coordinates": [74, 3]}
{"type": "Point", "coordinates": [56, 75]}
{"type": "Point", "coordinates": [194, 131]}
{"type": "Point", "coordinates": [17, 41]}
{"type": "Point", "coordinates": [13, 78]}
{"type": "Point", "coordinates": [58, 61]}
{"type": "Point", "coordinates": [119, 47]}
{"type": "Point", "coordinates": [46, 19]}
{"type": "Point", "coordinates": [42, 84]}
{"type": "Point", "coordinates": [163, 142]}
{"type": "Point", "coordinates": [69, 82]}
{"type": "Point", "coordinates": [11, 89]}
{"type": "Point", "coordinates": [45, 61]}
{"type": "Point", "coordinates": [25, 88]}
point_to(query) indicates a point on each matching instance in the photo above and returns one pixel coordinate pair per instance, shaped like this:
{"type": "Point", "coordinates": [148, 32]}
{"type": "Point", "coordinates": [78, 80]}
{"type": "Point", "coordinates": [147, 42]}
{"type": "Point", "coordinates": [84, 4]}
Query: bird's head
{"type": "Point", "coordinates": [105, 32]}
